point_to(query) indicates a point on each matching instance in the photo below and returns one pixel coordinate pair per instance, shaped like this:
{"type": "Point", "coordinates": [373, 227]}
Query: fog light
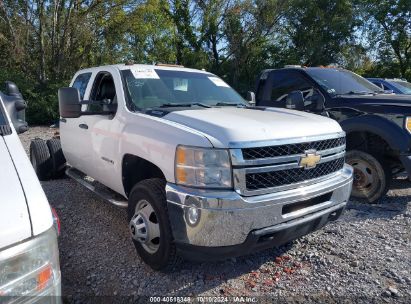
{"type": "Point", "coordinates": [192, 215]}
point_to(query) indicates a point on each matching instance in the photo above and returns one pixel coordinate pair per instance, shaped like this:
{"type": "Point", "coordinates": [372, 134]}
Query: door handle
{"type": "Point", "coordinates": [83, 126]}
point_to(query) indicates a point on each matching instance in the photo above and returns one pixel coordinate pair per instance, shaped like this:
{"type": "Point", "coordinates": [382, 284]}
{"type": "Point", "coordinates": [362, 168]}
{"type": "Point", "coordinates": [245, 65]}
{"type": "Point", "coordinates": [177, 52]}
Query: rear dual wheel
{"type": "Point", "coordinates": [40, 159]}
{"type": "Point", "coordinates": [58, 161]}
{"type": "Point", "coordinates": [47, 158]}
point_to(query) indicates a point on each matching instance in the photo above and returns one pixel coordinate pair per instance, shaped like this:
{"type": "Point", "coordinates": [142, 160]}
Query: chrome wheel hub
{"type": "Point", "coordinates": [144, 227]}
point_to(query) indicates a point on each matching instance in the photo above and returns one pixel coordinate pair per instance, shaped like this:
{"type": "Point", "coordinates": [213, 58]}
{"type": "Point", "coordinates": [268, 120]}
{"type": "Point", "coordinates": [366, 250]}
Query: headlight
{"type": "Point", "coordinates": [31, 268]}
{"type": "Point", "coordinates": [408, 124]}
{"type": "Point", "coordinates": [202, 167]}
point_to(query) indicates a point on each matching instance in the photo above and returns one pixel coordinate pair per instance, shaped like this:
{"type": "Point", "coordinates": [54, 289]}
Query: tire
{"type": "Point", "coordinates": [57, 159]}
{"type": "Point", "coordinates": [40, 159]}
{"type": "Point", "coordinates": [148, 197]}
{"type": "Point", "coordinates": [372, 175]}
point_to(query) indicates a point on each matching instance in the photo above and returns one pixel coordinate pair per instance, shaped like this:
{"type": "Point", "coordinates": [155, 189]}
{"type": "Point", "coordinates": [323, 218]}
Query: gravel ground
{"type": "Point", "coordinates": [365, 256]}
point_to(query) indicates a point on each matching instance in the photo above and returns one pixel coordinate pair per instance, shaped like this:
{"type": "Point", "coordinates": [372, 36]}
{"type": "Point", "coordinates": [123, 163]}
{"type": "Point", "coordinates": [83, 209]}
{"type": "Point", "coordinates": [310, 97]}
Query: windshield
{"type": "Point", "coordinates": [3, 120]}
{"type": "Point", "coordinates": [403, 86]}
{"type": "Point", "coordinates": [341, 82]}
{"type": "Point", "coordinates": [153, 88]}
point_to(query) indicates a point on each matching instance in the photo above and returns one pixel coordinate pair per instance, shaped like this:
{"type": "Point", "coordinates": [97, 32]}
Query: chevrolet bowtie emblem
{"type": "Point", "coordinates": [310, 159]}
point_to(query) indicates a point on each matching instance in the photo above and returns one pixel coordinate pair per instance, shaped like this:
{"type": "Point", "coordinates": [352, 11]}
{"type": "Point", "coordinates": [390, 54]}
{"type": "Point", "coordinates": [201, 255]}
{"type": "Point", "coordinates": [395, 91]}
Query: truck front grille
{"type": "Point", "coordinates": [255, 181]}
{"type": "Point", "coordinates": [290, 149]}
{"type": "Point", "coordinates": [276, 166]}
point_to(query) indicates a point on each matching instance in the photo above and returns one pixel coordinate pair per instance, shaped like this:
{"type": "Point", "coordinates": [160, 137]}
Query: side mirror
{"type": "Point", "coordinates": [319, 101]}
{"type": "Point", "coordinates": [11, 89]}
{"type": "Point", "coordinates": [69, 103]}
{"type": "Point", "coordinates": [251, 98]}
{"type": "Point", "coordinates": [15, 106]}
{"type": "Point", "coordinates": [22, 128]}
{"type": "Point", "coordinates": [295, 101]}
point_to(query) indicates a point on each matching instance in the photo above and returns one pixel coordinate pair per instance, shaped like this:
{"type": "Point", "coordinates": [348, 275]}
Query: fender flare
{"type": "Point", "coordinates": [145, 169]}
{"type": "Point", "coordinates": [395, 136]}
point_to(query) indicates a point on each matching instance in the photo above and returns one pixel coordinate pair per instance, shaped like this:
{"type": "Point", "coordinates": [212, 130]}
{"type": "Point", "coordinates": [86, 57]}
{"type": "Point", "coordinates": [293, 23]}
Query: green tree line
{"type": "Point", "coordinates": [44, 42]}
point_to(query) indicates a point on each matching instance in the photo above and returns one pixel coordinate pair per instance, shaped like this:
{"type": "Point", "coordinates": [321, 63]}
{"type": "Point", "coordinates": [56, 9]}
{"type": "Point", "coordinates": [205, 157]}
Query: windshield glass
{"type": "Point", "coordinates": [403, 86]}
{"type": "Point", "coordinates": [340, 82]}
{"type": "Point", "coordinates": [3, 120]}
{"type": "Point", "coordinates": [151, 88]}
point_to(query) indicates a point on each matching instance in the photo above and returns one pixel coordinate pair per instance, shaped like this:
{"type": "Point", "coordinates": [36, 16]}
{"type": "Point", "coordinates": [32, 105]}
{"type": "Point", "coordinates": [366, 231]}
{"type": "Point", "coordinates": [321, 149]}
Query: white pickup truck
{"type": "Point", "coordinates": [29, 257]}
{"type": "Point", "coordinates": [205, 175]}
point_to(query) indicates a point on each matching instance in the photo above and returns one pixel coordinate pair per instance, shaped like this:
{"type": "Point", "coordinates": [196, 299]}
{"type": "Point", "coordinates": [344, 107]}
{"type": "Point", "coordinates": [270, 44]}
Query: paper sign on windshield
{"type": "Point", "coordinates": [218, 82]}
{"type": "Point", "coordinates": [144, 73]}
{"type": "Point", "coordinates": [180, 84]}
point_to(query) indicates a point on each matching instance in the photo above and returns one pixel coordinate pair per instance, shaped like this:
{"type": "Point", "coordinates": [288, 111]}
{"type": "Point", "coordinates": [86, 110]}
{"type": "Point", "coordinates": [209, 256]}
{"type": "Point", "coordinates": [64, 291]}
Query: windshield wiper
{"type": "Point", "coordinates": [170, 105]}
{"type": "Point", "coordinates": [355, 93]}
{"type": "Point", "coordinates": [201, 104]}
{"type": "Point", "coordinates": [221, 104]}
{"type": "Point", "coordinates": [379, 92]}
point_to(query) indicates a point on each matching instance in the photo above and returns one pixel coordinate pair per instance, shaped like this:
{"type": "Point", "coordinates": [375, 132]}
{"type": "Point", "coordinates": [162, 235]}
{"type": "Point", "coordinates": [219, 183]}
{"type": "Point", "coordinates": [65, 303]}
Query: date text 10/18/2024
{"type": "Point", "coordinates": [203, 299]}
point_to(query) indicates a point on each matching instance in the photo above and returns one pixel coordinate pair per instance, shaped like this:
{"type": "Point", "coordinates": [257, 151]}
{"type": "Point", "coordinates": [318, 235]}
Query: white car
{"type": "Point", "coordinates": [202, 174]}
{"type": "Point", "coordinates": [29, 257]}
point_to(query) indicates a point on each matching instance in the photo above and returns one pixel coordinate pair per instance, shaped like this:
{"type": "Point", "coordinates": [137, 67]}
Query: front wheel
{"type": "Point", "coordinates": [372, 175]}
{"type": "Point", "coordinates": [149, 224]}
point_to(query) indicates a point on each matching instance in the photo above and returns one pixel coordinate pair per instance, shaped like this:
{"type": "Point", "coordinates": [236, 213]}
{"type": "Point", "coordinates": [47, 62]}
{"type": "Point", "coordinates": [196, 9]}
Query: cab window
{"type": "Point", "coordinates": [81, 83]}
{"type": "Point", "coordinates": [285, 83]}
{"type": "Point", "coordinates": [103, 94]}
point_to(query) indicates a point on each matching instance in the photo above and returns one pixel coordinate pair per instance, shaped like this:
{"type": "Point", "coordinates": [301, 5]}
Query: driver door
{"type": "Point", "coordinates": [97, 127]}
{"type": "Point", "coordinates": [286, 82]}
{"type": "Point", "coordinates": [74, 137]}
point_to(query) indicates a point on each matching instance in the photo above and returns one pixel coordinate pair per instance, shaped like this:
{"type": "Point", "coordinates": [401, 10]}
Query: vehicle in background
{"type": "Point", "coordinates": [29, 257]}
{"type": "Point", "coordinates": [396, 85]}
{"type": "Point", "coordinates": [202, 174]}
{"type": "Point", "coordinates": [378, 125]}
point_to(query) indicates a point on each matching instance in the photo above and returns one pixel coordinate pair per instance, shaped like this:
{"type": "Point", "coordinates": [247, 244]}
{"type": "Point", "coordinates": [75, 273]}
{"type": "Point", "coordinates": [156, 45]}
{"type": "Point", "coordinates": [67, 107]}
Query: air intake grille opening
{"type": "Point", "coordinates": [255, 181]}
{"type": "Point", "coordinates": [283, 150]}
{"type": "Point", "coordinates": [307, 203]}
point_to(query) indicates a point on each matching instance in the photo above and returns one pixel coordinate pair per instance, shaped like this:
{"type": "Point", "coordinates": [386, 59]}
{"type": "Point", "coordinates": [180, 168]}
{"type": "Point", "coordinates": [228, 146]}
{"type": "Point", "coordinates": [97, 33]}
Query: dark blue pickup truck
{"type": "Point", "coordinates": [397, 86]}
{"type": "Point", "coordinates": [378, 125]}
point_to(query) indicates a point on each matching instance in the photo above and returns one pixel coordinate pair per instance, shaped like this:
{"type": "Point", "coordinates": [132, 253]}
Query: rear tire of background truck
{"type": "Point", "coordinates": [40, 159]}
{"type": "Point", "coordinates": [149, 224]}
{"type": "Point", "coordinates": [57, 159]}
{"type": "Point", "coordinates": [372, 175]}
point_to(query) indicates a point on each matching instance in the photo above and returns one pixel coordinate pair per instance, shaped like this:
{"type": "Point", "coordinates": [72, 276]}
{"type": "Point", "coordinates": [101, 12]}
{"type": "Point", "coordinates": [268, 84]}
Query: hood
{"type": "Point", "coordinates": [14, 216]}
{"type": "Point", "coordinates": [381, 99]}
{"type": "Point", "coordinates": [383, 103]}
{"type": "Point", "coordinates": [226, 127]}
{"type": "Point", "coordinates": [36, 201]}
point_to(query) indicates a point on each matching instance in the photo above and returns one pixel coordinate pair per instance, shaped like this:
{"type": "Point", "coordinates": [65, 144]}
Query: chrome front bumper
{"type": "Point", "coordinates": [227, 218]}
